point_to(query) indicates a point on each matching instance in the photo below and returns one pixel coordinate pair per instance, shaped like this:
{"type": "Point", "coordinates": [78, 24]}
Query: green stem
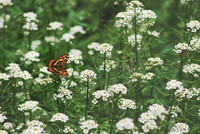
{"type": "Point", "coordinates": [24, 85]}
{"type": "Point", "coordinates": [113, 118]}
{"type": "Point", "coordinates": [86, 100]}
{"type": "Point", "coordinates": [104, 71]}
{"type": "Point", "coordinates": [100, 109]}
{"type": "Point", "coordinates": [169, 116]}
{"type": "Point", "coordinates": [136, 44]}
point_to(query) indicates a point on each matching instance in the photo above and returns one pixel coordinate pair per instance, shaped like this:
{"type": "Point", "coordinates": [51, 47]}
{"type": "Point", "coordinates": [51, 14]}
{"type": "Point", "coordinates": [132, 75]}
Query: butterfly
{"type": "Point", "coordinates": [58, 66]}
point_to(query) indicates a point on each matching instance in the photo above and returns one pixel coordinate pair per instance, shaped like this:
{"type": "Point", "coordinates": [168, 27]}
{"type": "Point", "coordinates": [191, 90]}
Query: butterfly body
{"type": "Point", "coordinates": [58, 66]}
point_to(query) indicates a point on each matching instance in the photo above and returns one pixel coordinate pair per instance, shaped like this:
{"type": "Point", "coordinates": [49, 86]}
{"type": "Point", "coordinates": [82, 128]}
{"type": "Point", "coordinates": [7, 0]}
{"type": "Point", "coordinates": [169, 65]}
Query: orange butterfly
{"type": "Point", "coordinates": [58, 66]}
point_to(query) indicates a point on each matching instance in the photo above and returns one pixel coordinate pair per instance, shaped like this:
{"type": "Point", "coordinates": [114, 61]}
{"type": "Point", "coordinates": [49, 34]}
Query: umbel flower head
{"type": "Point", "coordinates": [88, 75]}
{"type": "Point", "coordinates": [59, 117]}
{"type": "Point", "coordinates": [125, 124]}
{"type": "Point", "coordinates": [103, 94]}
{"type": "Point", "coordinates": [55, 26]}
{"type": "Point", "coordinates": [5, 3]}
{"type": "Point", "coordinates": [29, 106]}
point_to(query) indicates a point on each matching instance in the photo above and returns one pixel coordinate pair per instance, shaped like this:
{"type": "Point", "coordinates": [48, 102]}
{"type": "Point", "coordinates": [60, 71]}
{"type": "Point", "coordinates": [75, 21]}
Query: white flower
{"type": "Point", "coordinates": [67, 130]}
{"type": "Point", "coordinates": [3, 132]}
{"type": "Point", "coordinates": [109, 64]}
{"type": "Point", "coordinates": [5, 3]}
{"type": "Point", "coordinates": [152, 62]}
{"type": "Point", "coordinates": [117, 88]}
{"type": "Point", "coordinates": [103, 94]}
{"type": "Point", "coordinates": [174, 111]}
{"type": "Point", "coordinates": [150, 125]}
{"type": "Point", "coordinates": [94, 45]}
{"type": "Point", "coordinates": [44, 70]}
{"type": "Point", "coordinates": [88, 75]}
{"type": "Point", "coordinates": [30, 26]}
{"type": "Point", "coordinates": [146, 117]}
{"type": "Point", "coordinates": [131, 39]}
{"type": "Point", "coordinates": [126, 103]}
{"type": "Point", "coordinates": [67, 37]}
{"type": "Point", "coordinates": [136, 76]}
{"type": "Point", "coordinates": [148, 14]}
{"type": "Point", "coordinates": [180, 127]}
{"type": "Point", "coordinates": [185, 1]}
{"type": "Point", "coordinates": [4, 76]}
{"type": "Point", "coordinates": [51, 39]}
{"type": "Point", "coordinates": [8, 125]}
{"type": "Point", "coordinates": [30, 16]}
{"type": "Point", "coordinates": [193, 69]}
{"type": "Point", "coordinates": [55, 26]}
{"type": "Point", "coordinates": [105, 48]}
{"type": "Point", "coordinates": [29, 106]}
{"type": "Point", "coordinates": [195, 44]}
{"type": "Point", "coordinates": [158, 111]}
{"type": "Point", "coordinates": [63, 94]}
{"type": "Point", "coordinates": [35, 44]}
{"type": "Point", "coordinates": [193, 25]}
{"type": "Point", "coordinates": [173, 84]}
{"type": "Point", "coordinates": [76, 29]}
{"type": "Point", "coordinates": [87, 125]}
{"type": "Point", "coordinates": [2, 117]}
{"type": "Point", "coordinates": [31, 56]}
{"type": "Point", "coordinates": [44, 81]}
{"type": "Point", "coordinates": [59, 117]}
{"type": "Point", "coordinates": [181, 47]}
{"type": "Point", "coordinates": [153, 33]}
{"type": "Point", "coordinates": [125, 124]}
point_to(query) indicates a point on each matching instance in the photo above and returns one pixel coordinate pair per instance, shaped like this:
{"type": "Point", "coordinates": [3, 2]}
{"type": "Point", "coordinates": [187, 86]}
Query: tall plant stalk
{"type": "Point", "coordinates": [87, 97]}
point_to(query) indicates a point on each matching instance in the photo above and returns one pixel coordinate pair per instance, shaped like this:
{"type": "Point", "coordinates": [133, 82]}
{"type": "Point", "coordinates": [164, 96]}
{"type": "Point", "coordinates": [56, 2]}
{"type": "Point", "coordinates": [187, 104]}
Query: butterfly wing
{"type": "Point", "coordinates": [52, 62]}
{"type": "Point", "coordinates": [63, 59]}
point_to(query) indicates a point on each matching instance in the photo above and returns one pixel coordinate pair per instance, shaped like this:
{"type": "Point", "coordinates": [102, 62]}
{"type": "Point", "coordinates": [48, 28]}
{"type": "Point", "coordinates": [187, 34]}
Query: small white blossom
{"type": "Point", "coordinates": [88, 75]}
{"type": "Point", "coordinates": [76, 29]}
{"type": "Point", "coordinates": [193, 25]}
{"type": "Point", "coordinates": [29, 106]}
{"type": "Point", "coordinates": [59, 117]}
{"type": "Point", "coordinates": [181, 47]}
{"type": "Point", "coordinates": [35, 44]}
{"type": "Point", "coordinates": [173, 84]}
{"type": "Point", "coordinates": [55, 26]}
{"type": "Point", "coordinates": [118, 89]}
{"type": "Point", "coordinates": [31, 56]}
{"type": "Point", "coordinates": [103, 94]}
{"type": "Point", "coordinates": [87, 125]}
{"type": "Point", "coordinates": [125, 124]}
{"type": "Point", "coordinates": [180, 127]}
{"type": "Point", "coordinates": [126, 103]}
{"type": "Point", "coordinates": [193, 69]}
{"type": "Point", "coordinates": [67, 37]}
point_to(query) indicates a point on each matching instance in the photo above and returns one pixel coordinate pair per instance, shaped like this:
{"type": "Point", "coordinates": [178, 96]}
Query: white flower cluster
{"type": "Point", "coordinates": [4, 76]}
{"type": "Point", "coordinates": [185, 1]}
{"type": "Point", "coordinates": [87, 125]}
{"type": "Point", "coordinates": [153, 33]}
{"type": "Point", "coordinates": [139, 76]}
{"type": "Point", "coordinates": [51, 39]}
{"type": "Point", "coordinates": [132, 41]}
{"type": "Point", "coordinates": [125, 124]}
{"type": "Point", "coordinates": [3, 132]}
{"type": "Point", "coordinates": [2, 117]}
{"type": "Point", "coordinates": [126, 103]}
{"type": "Point", "coordinates": [76, 29]}
{"type": "Point", "coordinates": [72, 72]}
{"type": "Point", "coordinates": [187, 93]}
{"type": "Point", "coordinates": [5, 3]}
{"type": "Point", "coordinates": [15, 71]}
{"type": "Point", "coordinates": [134, 11]}
{"type": "Point", "coordinates": [180, 127]}
{"type": "Point", "coordinates": [67, 37]}
{"type": "Point", "coordinates": [75, 56]}
{"type": "Point", "coordinates": [117, 89]}
{"type": "Point", "coordinates": [29, 106]}
{"type": "Point", "coordinates": [193, 69]}
{"type": "Point", "coordinates": [31, 19]}
{"type": "Point", "coordinates": [148, 118]}
{"type": "Point", "coordinates": [68, 130]}
{"type": "Point", "coordinates": [35, 44]}
{"type": "Point", "coordinates": [59, 117]}
{"type": "Point", "coordinates": [174, 84]}
{"type": "Point", "coordinates": [34, 126]}
{"type": "Point", "coordinates": [152, 62]}
{"type": "Point", "coordinates": [103, 94]}
{"type": "Point", "coordinates": [195, 44]}
{"type": "Point", "coordinates": [180, 47]}
{"type": "Point", "coordinates": [63, 94]}
{"type": "Point", "coordinates": [88, 75]}
{"type": "Point", "coordinates": [94, 45]}
{"type": "Point", "coordinates": [174, 111]}
{"type": "Point", "coordinates": [193, 26]}
{"type": "Point", "coordinates": [109, 64]}
{"type": "Point", "coordinates": [44, 80]}
{"type": "Point", "coordinates": [8, 125]}
{"type": "Point", "coordinates": [105, 48]}
{"type": "Point", "coordinates": [55, 26]}
{"type": "Point", "coordinates": [30, 57]}
{"type": "Point", "coordinates": [3, 20]}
